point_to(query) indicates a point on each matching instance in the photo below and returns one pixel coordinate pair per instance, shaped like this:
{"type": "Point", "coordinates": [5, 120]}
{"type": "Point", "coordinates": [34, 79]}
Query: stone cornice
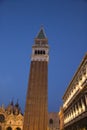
{"type": "Point", "coordinates": [76, 75]}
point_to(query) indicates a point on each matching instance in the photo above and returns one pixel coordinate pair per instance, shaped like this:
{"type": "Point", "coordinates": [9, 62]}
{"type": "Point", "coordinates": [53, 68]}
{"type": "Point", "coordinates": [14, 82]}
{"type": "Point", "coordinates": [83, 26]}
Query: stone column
{"type": "Point", "coordinates": [76, 110]}
{"type": "Point", "coordinates": [86, 99]}
{"type": "Point", "coordinates": [86, 70]}
{"type": "Point", "coordinates": [83, 105]}
{"type": "Point", "coordinates": [79, 108]}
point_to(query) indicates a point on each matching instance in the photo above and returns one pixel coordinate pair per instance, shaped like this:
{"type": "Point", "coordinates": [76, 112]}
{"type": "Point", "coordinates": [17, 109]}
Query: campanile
{"type": "Point", "coordinates": [36, 108]}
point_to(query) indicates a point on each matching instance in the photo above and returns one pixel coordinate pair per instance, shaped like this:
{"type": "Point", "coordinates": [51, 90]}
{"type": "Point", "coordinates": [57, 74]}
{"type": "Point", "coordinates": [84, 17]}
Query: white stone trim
{"type": "Point", "coordinates": [40, 58]}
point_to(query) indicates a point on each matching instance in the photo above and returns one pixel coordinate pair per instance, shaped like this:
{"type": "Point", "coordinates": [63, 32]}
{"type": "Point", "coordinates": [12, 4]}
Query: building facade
{"type": "Point", "coordinates": [61, 118]}
{"type": "Point", "coordinates": [53, 121]}
{"type": "Point", "coordinates": [75, 100]}
{"type": "Point", "coordinates": [11, 117]}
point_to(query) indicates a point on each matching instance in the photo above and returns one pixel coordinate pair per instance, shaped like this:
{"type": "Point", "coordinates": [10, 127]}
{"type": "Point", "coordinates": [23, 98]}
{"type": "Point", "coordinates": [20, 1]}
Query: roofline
{"type": "Point", "coordinates": [84, 58]}
{"type": "Point", "coordinates": [41, 28]}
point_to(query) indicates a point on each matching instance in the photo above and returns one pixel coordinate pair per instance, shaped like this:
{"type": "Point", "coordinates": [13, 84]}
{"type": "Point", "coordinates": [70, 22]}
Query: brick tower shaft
{"type": "Point", "coordinates": [36, 109]}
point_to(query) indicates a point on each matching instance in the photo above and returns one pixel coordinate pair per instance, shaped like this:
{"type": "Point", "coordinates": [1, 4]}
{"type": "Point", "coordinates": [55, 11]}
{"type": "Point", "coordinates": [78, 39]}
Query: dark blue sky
{"type": "Point", "coordinates": [65, 24]}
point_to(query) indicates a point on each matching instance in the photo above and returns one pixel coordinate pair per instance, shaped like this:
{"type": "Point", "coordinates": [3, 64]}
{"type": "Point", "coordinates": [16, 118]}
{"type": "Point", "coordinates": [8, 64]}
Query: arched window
{"type": "Point", "coordinates": [40, 52]}
{"type": "Point", "coordinates": [18, 128]}
{"type": "Point", "coordinates": [43, 52]}
{"type": "Point", "coordinates": [9, 128]}
{"type": "Point", "coordinates": [35, 51]}
{"type": "Point", "coordinates": [51, 121]}
{"type": "Point", "coordinates": [59, 121]}
{"type": "Point", "coordinates": [0, 128]}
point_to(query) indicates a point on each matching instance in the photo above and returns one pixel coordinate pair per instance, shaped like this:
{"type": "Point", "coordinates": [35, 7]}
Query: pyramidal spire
{"type": "Point", "coordinates": [41, 34]}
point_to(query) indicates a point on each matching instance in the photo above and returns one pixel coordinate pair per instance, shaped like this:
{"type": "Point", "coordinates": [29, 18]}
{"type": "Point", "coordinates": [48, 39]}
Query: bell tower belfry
{"type": "Point", "coordinates": [36, 109]}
